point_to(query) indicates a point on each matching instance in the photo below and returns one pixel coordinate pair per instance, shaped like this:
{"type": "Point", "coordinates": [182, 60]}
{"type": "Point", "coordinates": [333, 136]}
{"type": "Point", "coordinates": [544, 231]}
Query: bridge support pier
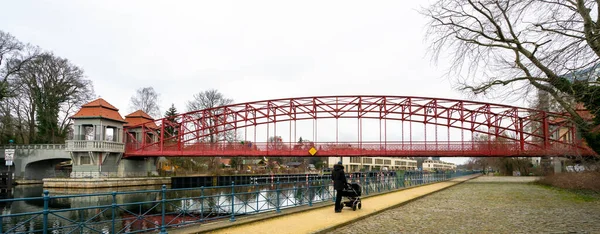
{"type": "Point", "coordinates": [102, 165]}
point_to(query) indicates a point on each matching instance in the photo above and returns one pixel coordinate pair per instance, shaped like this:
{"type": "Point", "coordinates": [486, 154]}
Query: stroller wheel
{"type": "Point", "coordinates": [354, 207]}
{"type": "Point", "coordinates": [359, 206]}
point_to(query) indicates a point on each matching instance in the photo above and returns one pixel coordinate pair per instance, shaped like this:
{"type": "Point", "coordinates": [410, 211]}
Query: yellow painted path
{"type": "Point", "coordinates": [324, 218]}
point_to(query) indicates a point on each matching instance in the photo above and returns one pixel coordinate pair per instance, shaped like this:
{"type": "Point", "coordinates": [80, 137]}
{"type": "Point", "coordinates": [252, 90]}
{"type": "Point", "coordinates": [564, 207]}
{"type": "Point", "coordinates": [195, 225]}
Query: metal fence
{"type": "Point", "coordinates": [161, 209]}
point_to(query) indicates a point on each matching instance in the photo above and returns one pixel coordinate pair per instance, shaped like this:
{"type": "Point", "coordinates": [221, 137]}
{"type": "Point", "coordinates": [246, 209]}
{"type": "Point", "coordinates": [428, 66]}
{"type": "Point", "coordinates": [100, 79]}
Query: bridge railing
{"type": "Point", "coordinates": [391, 148]}
{"type": "Point", "coordinates": [85, 145]}
{"type": "Point", "coordinates": [160, 209]}
{"type": "Point", "coordinates": [35, 146]}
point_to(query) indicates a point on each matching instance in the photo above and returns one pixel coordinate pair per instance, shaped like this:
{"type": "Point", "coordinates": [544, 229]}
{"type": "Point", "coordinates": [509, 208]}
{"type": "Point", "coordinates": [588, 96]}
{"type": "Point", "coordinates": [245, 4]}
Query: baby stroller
{"type": "Point", "coordinates": [352, 192]}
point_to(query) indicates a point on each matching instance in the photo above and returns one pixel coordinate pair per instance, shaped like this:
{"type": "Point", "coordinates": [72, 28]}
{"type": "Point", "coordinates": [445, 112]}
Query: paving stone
{"type": "Point", "coordinates": [488, 205]}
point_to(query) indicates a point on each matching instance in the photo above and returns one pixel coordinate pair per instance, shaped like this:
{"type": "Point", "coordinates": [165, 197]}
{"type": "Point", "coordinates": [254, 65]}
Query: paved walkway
{"type": "Point", "coordinates": [321, 218]}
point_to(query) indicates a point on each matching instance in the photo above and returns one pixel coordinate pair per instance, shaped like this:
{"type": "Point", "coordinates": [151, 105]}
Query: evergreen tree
{"type": "Point", "coordinates": [171, 116]}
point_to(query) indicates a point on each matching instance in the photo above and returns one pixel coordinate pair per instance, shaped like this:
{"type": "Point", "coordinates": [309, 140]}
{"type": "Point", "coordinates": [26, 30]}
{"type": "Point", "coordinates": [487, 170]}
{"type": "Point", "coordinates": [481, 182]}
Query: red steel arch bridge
{"type": "Point", "coordinates": [395, 126]}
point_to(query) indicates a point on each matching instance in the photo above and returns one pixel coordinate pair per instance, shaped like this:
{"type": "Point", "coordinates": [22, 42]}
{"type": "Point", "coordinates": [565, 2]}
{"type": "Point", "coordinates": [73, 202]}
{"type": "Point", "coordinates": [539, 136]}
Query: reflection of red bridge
{"type": "Point", "coordinates": [443, 127]}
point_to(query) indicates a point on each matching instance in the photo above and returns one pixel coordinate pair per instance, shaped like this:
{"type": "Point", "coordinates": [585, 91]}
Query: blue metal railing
{"type": "Point", "coordinates": [160, 209]}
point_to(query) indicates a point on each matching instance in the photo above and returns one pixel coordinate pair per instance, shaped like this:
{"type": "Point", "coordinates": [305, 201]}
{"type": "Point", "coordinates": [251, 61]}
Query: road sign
{"type": "Point", "coordinates": [9, 154]}
{"type": "Point", "coordinates": [312, 151]}
{"type": "Point", "coordinates": [9, 163]}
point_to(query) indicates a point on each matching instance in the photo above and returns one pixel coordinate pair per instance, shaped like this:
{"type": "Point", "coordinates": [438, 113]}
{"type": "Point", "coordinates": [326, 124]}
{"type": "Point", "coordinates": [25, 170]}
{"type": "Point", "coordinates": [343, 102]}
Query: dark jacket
{"type": "Point", "coordinates": [338, 177]}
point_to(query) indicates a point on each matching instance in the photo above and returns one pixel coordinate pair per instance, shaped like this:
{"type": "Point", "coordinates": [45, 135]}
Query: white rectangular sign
{"type": "Point", "coordinates": [9, 163]}
{"type": "Point", "coordinates": [9, 154]}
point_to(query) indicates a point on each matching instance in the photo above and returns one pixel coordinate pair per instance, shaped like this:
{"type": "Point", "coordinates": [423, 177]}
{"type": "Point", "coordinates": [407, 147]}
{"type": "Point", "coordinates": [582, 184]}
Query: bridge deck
{"type": "Point", "coordinates": [322, 218]}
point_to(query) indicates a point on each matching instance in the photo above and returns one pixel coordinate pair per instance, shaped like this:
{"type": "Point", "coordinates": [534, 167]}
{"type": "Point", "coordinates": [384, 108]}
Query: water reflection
{"type": "Point", "coordinates": [143, 210]}
{"type": "Point", "coordinates": [252, 199]}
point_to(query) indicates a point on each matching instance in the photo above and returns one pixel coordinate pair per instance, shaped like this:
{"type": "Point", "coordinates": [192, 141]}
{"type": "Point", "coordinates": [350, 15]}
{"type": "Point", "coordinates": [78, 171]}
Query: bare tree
{"type": "Point", "coordinates": [23, 110]}
{"type": "Point", "coordinates": [53, 84]}
{"type": "Point", "coordinates": [523, 45]}
{"type": "Point", "coordinates": [7, 123]}
{"type": "Point", "coordinates": [13, 57]}
{"type": "Point", "coordinates": [146, 99]}
{"type": "Point", "coordinates": [210, 99]}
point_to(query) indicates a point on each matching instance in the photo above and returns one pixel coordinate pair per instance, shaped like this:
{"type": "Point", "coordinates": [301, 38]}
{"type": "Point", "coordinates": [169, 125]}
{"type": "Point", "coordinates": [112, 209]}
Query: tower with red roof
{"type": "Point", "coordinates": [98, 143]}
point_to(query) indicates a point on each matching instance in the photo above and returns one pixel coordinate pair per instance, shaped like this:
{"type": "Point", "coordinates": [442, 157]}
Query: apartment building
{"type": "Point", "coordinates": [354, 164]}
{"type": "Point", "coordinates": [433, 165]}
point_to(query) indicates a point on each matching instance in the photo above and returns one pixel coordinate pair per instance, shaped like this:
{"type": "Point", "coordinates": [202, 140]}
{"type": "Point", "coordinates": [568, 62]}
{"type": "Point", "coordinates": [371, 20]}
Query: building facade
{"type": "Point", "coordinates": [355, 164]}
{"type": "Point", "coordinates": [438, 165]}
{"type": "Point", "coordinates": [98, 143]}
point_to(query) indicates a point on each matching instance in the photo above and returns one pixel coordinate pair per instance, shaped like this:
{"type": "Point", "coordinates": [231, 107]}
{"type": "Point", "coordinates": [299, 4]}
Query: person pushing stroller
{"type": "Point", "coordinates": [339, 183]}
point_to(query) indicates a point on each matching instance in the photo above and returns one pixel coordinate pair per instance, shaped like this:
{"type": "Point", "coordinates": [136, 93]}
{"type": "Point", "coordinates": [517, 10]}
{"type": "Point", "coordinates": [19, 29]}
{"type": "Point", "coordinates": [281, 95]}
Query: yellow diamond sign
{"type": "Point", "coordinates": [312, 151]}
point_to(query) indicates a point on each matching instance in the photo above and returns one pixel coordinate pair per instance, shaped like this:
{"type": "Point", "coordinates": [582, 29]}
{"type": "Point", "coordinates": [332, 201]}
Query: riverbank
{"type": "Point", "coordinates": [86, 183]}
{"type": "Point", "coordinates": [489, 205]}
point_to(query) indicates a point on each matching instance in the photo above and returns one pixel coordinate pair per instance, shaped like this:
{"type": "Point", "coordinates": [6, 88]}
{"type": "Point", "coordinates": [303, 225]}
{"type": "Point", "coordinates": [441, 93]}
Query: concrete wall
{"type": "Point", "coordinates": [41, 169]}
{"type": "Point", "coordinates": [112, 165]}
{"type": "Point", "coordinates": [82, 183]}
{"type": "Point", "coordinates": [28, 154]}
{"type": "Point", "coordinates": [38, 161]}
{"type": "Point", "coordinates": [139, 166]}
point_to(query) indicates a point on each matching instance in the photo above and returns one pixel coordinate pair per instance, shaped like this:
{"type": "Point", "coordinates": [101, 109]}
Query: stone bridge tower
{"type": "Point", "coordinates": [98, 145]}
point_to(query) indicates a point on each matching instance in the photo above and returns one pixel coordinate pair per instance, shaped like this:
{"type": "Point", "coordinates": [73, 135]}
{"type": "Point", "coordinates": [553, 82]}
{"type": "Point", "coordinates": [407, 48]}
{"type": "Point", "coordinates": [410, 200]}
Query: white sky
{"type": "Point", "coordinates": [248, 50]}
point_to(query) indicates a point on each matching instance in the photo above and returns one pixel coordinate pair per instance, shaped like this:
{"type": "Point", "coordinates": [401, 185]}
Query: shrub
{"type": "Point", "coordinates": [578, 181]}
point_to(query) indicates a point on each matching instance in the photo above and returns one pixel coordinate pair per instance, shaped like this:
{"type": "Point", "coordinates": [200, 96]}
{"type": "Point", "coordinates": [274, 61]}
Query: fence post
{"type": "Point", "coordinates": [201, 203]}
{"type": "Point", "coordinates": [367, 184]}
{"type": "Point", "coordinates": [45, 214]}
{"type": "Point", "coordinates": [378, 183]}
{"type": "Point", "coordinates": [309, 193]}
{"type": "Point", "coordinates": [332, 191]}
{"type": "Point", "coordinates": [114, 210]}
{"type": "Point", "coordinates": [257, 196]}
{"type": "Point", "coordinates": [163, 227]}
{"type": "Point", "coordinates": [389, 181]}
{"type": "Point", "coordinates": [277, 191]}
{"type": "Point", "coordinates": [232, 219]}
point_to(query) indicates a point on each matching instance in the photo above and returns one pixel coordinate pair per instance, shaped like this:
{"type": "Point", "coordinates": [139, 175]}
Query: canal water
{"type": "Point", "coordinates": [143, 210]}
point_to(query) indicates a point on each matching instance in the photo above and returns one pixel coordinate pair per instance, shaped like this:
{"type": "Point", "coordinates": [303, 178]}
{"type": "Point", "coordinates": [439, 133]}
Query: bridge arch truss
{"type": "Point", "coordinates": [468, 128]}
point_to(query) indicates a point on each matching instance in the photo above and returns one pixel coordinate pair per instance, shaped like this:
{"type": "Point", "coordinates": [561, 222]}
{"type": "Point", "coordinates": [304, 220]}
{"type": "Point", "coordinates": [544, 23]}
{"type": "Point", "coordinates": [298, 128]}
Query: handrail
{"type": "Point", "coordinates": [35, 146]}
{"type": "Point", "coordinates": [160, 209]}
{"type": "Point", "coordinates": [95, 145]}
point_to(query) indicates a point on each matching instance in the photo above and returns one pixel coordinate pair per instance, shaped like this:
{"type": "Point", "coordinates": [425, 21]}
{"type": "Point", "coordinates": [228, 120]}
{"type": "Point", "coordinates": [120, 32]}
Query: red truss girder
{"type": "Point", "coordinates": [523, 132]}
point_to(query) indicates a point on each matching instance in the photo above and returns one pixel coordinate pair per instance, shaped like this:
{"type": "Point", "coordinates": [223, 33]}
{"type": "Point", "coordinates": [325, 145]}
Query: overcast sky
{"type": "Point", "coordinates": [248, 50]}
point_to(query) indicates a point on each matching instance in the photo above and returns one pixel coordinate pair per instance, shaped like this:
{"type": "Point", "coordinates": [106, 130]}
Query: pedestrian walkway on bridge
{"type": "Point", "coordinates": [321, 218]}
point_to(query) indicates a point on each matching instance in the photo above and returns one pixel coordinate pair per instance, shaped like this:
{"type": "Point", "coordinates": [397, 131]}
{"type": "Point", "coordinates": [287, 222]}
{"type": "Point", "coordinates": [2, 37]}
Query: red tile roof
{"type": "Point", "coordinates": [138, 118]}
{"type": "Point", "coordinates": [139, 113]}
{"type": "Point", "coordinates": [583, 112]}
{"type": "Point", "coordinates": [99, 108]}
{"type": "Point", "coordinates": [100, 103]}
{"type": "Point", "coordinates": [580, 110]}
{"type": "Point", "coordinates": [225, 161]}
